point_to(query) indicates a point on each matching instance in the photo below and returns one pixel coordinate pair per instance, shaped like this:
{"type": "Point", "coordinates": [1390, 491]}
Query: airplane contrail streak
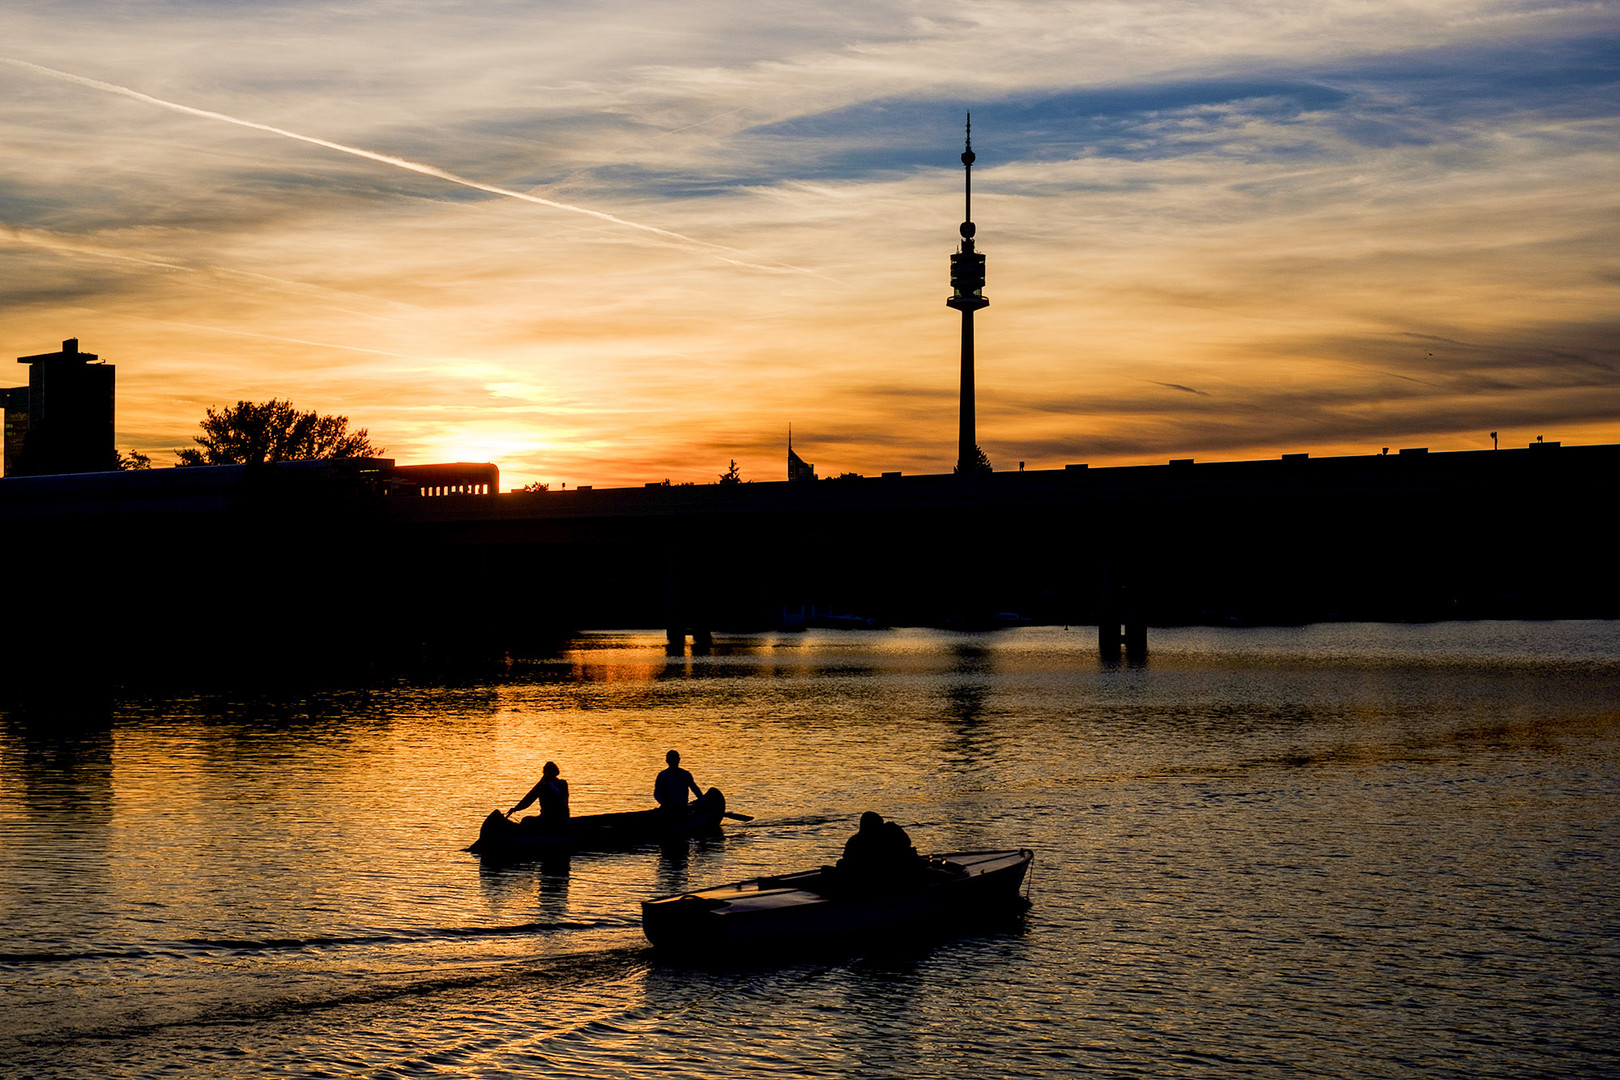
{"type": "Point", "coordinates": [398, 163]}
{"type": "Point", "coordinates": [35, 238]}
{"type": "Point", "coordinates": [292, 340]}
{"type": "Point", "coordinates": [51, 242]}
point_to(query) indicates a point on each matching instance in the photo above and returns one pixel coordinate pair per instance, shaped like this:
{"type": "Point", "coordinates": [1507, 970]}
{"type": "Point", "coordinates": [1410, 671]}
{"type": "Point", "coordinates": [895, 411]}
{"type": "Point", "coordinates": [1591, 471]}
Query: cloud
{"type": "Point", "coordinates": [388, 159]}
{"type": "Point", "coordinates": [1325, 230]}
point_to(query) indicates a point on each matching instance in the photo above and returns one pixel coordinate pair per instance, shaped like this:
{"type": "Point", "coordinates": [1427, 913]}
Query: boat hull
{"type": "Point", "coordinates": [503, 838]}
{"type": "Point", "coordinates": [820, 911]}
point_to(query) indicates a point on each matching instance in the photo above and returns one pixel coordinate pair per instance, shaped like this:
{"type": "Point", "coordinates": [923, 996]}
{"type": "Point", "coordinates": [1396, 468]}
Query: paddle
{"type": "Point", "coordinates": [737, 817]}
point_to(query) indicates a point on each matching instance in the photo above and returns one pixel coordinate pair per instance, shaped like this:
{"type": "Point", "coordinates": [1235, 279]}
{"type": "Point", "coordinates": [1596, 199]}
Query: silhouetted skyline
{"type": "Point", "coordinates": [605, 259]}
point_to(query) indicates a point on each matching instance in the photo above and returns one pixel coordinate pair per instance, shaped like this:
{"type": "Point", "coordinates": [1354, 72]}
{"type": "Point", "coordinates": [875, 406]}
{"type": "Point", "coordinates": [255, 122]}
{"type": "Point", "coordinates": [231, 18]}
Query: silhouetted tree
{"type": "Point", "coordinates": [134, 461]}
{"type": "Point", "coordinates": [253, 432]}
{"type": "Point", "coordinates": [536, 486]}
{"type": "Point", "coordinates": [981, 463]}
{"type": "Point", "coordinates": [732, 475]}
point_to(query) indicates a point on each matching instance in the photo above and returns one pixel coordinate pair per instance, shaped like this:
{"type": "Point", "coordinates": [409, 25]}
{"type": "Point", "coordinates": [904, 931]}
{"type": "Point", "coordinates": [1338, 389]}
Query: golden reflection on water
{"type": "Point", "coordinates": [1241, 846]}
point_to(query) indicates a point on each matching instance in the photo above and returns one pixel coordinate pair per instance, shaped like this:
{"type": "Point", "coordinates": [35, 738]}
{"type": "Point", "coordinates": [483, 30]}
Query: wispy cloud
{"type": "Point", "coordinates": [719, 251]}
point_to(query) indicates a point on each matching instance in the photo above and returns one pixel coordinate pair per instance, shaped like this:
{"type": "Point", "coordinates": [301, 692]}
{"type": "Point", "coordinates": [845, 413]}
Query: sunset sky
{"type": "Point", "coordinates": [616, 242]}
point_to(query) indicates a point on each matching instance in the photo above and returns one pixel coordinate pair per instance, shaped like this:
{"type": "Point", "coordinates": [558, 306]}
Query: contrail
{"type": "Point", "coordinates": [293, 340]}
{"type": "Point", "coordinates": [34, 238]}
{"type": "Point", "coordinates": [52, 243]}
{"type": "Point", "coordinates": [398, 163]}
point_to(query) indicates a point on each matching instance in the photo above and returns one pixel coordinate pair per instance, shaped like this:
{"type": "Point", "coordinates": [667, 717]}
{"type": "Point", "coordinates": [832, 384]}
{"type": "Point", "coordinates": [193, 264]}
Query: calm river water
{"type": "Point", "coordinates": [1338, 850]}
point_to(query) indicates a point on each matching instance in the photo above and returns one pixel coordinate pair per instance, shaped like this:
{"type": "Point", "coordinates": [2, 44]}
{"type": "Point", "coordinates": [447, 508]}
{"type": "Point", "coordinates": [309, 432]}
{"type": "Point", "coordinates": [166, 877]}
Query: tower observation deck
{"type": "Point", "coordinates": [967, 296]}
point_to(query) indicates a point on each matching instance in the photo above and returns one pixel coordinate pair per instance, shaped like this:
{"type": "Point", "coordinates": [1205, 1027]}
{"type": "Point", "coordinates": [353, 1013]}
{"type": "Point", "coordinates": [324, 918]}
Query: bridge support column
{"type": "Point", "coordinates": [674, 610]}
{"type": "Point", "coordinates": [1120, 622]}
{"type": "Point", "coordinates": [685, 611]}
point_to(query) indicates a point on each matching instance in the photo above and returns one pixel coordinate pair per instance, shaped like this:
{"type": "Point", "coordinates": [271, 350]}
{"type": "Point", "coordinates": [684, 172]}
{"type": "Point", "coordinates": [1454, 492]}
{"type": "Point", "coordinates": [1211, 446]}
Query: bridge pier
{"type": "Point", "coordinates": [675, 639]}
{"type": "Point", "coordinates": [1120, 622]}
{"type": "Point", "coordinates": [1131, 632]}
{"type": "Point", "coordinates": [684, 612]}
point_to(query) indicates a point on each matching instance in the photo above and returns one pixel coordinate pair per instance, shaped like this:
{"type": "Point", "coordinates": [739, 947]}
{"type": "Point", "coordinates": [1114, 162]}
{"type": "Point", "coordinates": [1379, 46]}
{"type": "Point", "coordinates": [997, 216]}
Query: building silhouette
{"type": "Point", "coordinates": [798, 468]}
{"type": "Point", "coordinates": [62, 421]}
{"type": "Point", "coordinates": [967, 296]}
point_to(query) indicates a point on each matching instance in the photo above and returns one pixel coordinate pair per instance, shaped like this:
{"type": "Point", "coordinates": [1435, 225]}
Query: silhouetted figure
{"type": "Point", "coordinates": [880, 850]}
{"type": "Point", "coordinates": [552, 793]}
{"type": "Point", "coordinates": [672, 785]}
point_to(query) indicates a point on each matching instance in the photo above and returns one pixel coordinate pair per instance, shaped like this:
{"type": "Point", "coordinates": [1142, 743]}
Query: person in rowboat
{"type": "Point", "coordinates": [670, 789]}
{"type": "Point", "coordinates": [552, 794]}
{"type": "Point", "coordinates": [879, 850]}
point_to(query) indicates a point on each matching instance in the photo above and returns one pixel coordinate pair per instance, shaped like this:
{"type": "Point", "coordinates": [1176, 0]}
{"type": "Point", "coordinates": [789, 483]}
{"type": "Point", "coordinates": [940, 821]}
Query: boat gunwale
{"type": "Point", "coordinates": [783, 882]}
{"type": "Point", "coordinates": [617, 830]}
{"type": "Point", "coordinates": [727, 920]}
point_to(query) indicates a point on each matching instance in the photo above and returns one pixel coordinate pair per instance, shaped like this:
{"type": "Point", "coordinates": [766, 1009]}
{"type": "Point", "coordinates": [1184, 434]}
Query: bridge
{"type": "Point", "coordinates": [369, 558]}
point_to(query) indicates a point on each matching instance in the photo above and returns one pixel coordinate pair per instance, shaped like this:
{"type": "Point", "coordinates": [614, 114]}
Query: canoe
{"type": "Point", "coordinates": [826, 910]}
{"type": "Point", "coordinates": [502, 837]}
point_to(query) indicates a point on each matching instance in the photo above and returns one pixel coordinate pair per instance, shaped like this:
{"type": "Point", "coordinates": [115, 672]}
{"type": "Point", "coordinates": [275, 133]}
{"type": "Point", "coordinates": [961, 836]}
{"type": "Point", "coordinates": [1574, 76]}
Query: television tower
{"type": "Point", "coordinates": [967, 296]}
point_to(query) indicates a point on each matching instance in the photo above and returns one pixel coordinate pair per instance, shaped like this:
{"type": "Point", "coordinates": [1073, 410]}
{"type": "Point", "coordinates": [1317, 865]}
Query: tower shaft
{"type": "Point", "coordinates": [967, 442]}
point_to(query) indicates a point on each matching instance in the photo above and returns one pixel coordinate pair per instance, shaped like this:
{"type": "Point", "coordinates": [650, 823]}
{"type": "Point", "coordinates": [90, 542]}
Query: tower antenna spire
{"type": "Point", "coordinates": [968, 158]}
{"type": "Point", "coordinates": [967, 296]}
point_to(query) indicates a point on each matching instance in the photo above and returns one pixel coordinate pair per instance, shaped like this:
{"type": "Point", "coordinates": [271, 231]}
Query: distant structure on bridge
{"type": "Point", "coordinates": [62, 421]}
{"type": "Point", "coordinates": [798, 468]}
{"type": "Point", "coordinates": [967, 296]}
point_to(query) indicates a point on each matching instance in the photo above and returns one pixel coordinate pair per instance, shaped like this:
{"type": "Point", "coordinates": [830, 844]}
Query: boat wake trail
{"type": "Point", "coordinates": [808, 821]}
{"type": "Point", "coordinates": [566, 971]}
{"type": "Point", "coordinates": [252, 946]}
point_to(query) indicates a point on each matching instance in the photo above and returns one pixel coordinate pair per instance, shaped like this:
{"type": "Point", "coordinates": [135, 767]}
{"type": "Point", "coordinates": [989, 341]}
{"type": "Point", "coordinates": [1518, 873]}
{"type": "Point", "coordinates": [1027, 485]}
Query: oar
{"type": "Point", "coordinates": [737, 817]}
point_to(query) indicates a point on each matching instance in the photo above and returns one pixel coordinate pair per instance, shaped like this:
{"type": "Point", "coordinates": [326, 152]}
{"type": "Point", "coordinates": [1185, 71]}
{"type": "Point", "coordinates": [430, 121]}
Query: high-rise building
{"type": "Point", "coordinates": [62, 421]}
{"type": "Point", "coordinates": [798, 468]}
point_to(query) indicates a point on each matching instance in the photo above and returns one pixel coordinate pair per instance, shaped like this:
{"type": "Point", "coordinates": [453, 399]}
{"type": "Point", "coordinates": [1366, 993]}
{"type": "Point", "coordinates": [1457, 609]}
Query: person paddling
{"type": "Point", "coordinates": [670, 789]}
{"type": "Point", "coordinates": [552, 793]}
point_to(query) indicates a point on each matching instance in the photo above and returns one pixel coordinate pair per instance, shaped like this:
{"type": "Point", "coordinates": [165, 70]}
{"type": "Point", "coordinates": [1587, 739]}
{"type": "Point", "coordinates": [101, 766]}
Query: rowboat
{"type": "Point", "coordinates": [533, 838]}
{"type": "Point", "coordinates": [829, 910]}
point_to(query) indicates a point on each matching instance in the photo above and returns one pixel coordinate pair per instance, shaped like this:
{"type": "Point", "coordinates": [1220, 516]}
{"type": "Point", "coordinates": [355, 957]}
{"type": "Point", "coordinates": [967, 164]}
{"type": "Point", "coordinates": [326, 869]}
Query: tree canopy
{"type": "Point", "coordinates": [981, 462]}
{"type": "Point", "coordinates": [253, 432]}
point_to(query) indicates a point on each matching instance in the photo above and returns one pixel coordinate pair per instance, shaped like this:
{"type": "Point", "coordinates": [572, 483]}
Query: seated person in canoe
{"type": "Point", "coordinates": [552, 794]}
{"type": "Point", "coordinates": [670, 789]}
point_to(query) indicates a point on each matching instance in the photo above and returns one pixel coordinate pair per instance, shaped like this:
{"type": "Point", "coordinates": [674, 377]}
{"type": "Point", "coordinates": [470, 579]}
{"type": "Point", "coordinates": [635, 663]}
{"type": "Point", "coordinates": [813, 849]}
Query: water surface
{"type": "Point", "coordinates": [1340, 850]}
